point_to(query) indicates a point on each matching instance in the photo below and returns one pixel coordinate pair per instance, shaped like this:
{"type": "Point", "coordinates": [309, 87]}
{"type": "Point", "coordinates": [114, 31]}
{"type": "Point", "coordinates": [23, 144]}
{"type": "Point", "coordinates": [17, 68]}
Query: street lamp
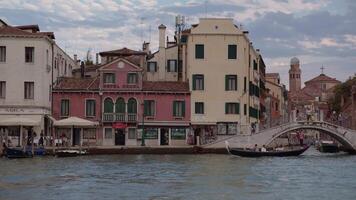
{"type": "Point", "coordinates": [143, 124]}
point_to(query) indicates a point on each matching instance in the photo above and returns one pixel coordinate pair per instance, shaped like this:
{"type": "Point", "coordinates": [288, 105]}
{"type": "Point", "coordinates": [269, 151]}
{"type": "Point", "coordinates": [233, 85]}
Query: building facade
{"type": "Point", "coordinates": [222, 69]}
{"type": "Point", "coordinates": [30, 62]}
{"type": "Point", "coordinates": [125, 104]}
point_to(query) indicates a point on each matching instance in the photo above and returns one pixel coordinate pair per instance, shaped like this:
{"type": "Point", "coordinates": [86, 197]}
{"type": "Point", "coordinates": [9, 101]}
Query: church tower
{"type": "Point", "coordinates": [294, 75]}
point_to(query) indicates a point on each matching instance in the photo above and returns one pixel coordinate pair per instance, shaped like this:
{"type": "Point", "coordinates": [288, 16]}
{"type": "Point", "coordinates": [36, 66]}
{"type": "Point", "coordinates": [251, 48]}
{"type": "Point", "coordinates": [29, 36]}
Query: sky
{"type": "Point", "coordinates": [318, 32]}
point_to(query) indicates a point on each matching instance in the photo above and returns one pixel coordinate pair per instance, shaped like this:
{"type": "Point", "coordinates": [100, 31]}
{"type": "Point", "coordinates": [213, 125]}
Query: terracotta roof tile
{"type": "Point", "coordinates": [172, 86]}
{"type": "Point", "coordinates": [322, 77]}
{"type": "Point", "coordinates": [122, 52]}
{"type": "Point", "coordinates": [70, 83]}
{"type": "Point", "coordinates": [27, 27]}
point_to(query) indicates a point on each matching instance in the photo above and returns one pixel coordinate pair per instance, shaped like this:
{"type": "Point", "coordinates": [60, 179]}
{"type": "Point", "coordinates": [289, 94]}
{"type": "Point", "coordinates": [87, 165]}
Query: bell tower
{"type": "Point", "coordinates": [294, 75]}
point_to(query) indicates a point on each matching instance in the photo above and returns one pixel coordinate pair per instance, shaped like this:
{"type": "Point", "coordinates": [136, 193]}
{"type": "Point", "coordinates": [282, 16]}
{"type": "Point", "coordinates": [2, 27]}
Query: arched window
{"type": "Point", "coordinates": [132, 106]}
{"type": "Point", "coordinates": [120, 105]}
{"type": "Point", "coordinates": [108, 106]}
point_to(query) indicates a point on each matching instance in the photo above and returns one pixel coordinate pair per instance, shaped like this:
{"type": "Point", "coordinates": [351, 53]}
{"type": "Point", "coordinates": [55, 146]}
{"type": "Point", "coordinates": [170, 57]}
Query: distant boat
{"type": "Point", "coordinates": [326, 146]}
{"type": "Point", "coordinates": [70, 153]}
{"type": "Point", "coordinates": [251, 153]}
{"type": "Point", "coordinates": [17, 153]}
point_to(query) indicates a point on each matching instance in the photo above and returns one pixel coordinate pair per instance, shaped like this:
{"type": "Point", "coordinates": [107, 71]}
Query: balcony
{"type": "Point", "coordinates": [119, 117]}
{"type": "Point", "coordinates": [131, 117]}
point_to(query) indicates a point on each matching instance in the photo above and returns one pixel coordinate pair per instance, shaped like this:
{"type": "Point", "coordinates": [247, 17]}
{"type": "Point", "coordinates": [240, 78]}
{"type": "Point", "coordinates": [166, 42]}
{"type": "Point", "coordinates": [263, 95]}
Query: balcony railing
{"type": "Point", "coordinates": [132, 117]}
{"type": "Point", "coordinates": [119, 117]}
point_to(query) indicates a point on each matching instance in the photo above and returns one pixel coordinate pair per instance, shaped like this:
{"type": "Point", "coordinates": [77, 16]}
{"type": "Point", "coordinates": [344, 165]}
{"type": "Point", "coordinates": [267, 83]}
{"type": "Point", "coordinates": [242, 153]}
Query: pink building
{"type": "Point", "coordinates": [124, 104]}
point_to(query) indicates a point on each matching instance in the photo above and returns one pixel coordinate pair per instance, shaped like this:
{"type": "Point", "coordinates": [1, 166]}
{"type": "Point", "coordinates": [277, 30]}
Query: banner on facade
{"type": "Point", "coordinates": [119, 125]}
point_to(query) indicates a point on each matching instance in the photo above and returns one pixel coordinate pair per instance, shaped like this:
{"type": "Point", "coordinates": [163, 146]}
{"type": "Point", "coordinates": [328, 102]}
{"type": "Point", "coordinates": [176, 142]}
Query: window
{"type": "Point", "coordinates": [132, 78]}
{"type": "Point", "coordinates": [151, 133]}
{"type": "Point", "coordinates": [89, 133]}
{"type": "Point", "coordinates": [199, 51]}
{"type": "Point", "coordinates": [151, 66]}
{"type": "Point", "coordinates": [108, 133]}
{"type": "Point", "coordinates": [199, 107]}
{"type": "Point", "coordinates": [232, 51]}
{"type": "Point", "coordinates": [149, 108]}
{"type": "Point", "coordinates": [90, 108]}
{"type": "Point", "coordinates": [255, 65]}
{"type": "Point", "coordinates": [65, 107]}
{"type": "Point", "coordinates": [232, 108]}
{"type": "Point", "coordinates": [65, 67]}
{"type": "Point", "coordinates": [108, 105]}
{"type": "Point", "coordinates": [29, 54]}
{"type": "Point", "coordinates": [29, 90]}
{"type": "Point", "coordinates": [230, 82]}
{"type": "Point", "coordinates": [178, 108]}
{"type": "Point", "coordinates": [2, 54]}
{"type": "Point", "coordinates": [178, 134]}
{"type": "Point", "coordinates": [109, 78]}
{"type": "Point", "coordinates": [172, 66]}
{"type": "Point", "coordinates": [132, 106]}
{"type": "Point", "coordinates": [198, 82]}
{"type": "Point", "coordinates": [2, 89]}
{"type": "Point", "coordinates": [131, 133]}
{"type": "Point", "coordinates": [245, 84]}
{"type": "Point", "coordinates": [120, 105]}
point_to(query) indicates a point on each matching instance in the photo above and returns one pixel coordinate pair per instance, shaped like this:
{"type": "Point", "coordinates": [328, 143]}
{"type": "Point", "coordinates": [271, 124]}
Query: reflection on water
{"type": "Point", "coordinates": [310, 176]}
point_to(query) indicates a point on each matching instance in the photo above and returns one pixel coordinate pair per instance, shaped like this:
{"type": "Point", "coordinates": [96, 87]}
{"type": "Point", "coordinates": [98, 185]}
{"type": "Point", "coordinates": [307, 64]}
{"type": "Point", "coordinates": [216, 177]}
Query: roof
{"type": "Point", "coordinates": [324, 78]}
{"type": "Point", "coordinates": [122, 52]}
{"type": "Point", "coordinates": [49, 34]}
{"type": "Point", "coordinates": [161, 26]}
{"type": "Point", "coordinates": [8, 30]}
{"type": "Point", "coordinates": [71, 83]}
{"type": "Point", "coordinates": [272, 74]}
{"type": "Point", "coordinates": [33, 27]}
{"type": "Point", "coordinates": [88, 68]}
{"type": "Point", "coordinates": [172, 86]}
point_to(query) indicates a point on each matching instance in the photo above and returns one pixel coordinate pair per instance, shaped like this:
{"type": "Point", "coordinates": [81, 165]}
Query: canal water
{"type": "Point", "coordinates": [310, 176]}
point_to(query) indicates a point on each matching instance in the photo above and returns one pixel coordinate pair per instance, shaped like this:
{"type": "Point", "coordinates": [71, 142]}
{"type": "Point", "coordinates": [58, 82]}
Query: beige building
{"type": "Point", "coordinates": [30, 62]}
{"type": "Point", "coordinates": [222, 69]}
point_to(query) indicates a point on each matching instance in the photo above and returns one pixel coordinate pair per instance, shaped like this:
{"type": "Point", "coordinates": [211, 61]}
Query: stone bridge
{"type": "Point", "coordinates": [346, 137]}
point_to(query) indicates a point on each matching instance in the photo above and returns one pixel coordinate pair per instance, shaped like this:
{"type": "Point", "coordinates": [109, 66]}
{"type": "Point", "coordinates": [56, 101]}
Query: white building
{"type": "Point", "coordinates": [30, 62]}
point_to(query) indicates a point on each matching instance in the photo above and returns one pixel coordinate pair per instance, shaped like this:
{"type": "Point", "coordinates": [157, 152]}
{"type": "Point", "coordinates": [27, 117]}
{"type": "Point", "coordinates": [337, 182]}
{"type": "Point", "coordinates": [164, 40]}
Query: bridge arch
{"type": "Point", "coordinates": [326, 128]}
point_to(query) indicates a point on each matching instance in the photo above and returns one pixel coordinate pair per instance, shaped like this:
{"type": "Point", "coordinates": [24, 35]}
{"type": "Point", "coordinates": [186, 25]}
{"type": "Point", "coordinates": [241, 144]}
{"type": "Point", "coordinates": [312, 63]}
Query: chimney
{"type": "Point", "coordinates": [97, 58]}
{"type": "Point", "coordinates": [162, 35]}
{"type": "Point", "coordinates": [75, 58]}
{"type": "Point", "coordinates": [82, 69]}
{"type": "Point", "coordinates": [146, 47]}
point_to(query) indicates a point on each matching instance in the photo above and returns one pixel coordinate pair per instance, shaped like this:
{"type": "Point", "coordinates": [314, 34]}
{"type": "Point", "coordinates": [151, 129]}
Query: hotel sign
{"type": "Point", "coordinates": [20, 110]}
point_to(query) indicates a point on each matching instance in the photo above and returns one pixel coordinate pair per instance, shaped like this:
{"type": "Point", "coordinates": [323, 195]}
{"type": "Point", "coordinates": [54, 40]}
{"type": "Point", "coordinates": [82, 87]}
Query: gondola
{"type": "Point", "coordinates": [70, 153]}
{"type": "Point", "coordinates": [328, 147]}
{"type": "Point", "coordinates": [250, 153]}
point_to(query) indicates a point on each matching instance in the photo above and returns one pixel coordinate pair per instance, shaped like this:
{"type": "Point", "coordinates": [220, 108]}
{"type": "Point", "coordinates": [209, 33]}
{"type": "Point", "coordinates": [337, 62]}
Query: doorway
{"type": "Point", "coordinates": [164, 136]}
{"type": "Point", "coordinates": [119, 136]}
{"type": "Point", "coordinates": [76, 137]}
{"type": "Point", "coordinates": [196, 134]}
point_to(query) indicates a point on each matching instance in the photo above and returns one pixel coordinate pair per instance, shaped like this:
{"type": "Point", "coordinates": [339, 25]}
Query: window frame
{"type": "Point", "coordinates": [200, 55]}
{"type": "Point", "coordinates": [128, 133]}
{"type": "Point", "coordinates": [104, 78]}
{"type": "Point", "coordinates": [194, 84]}
{"type": "Point", "coordinates": [128, 78]}
{"type": "Point", "coordinates": [31, 86]}
{"type": "Point", "coordinates": [86, 107]}
{"type": "Point", "coordinates": [148, 66]}
{"type": "Point", "coordinates": [236, 110]}
{"type": "Point", "coordinates": [61, 109]}
{"type": "Point", "coordinates": [169, 65]}
{"type": "Point", "coordinates": [230, 55]}
{"type": "Point", "coordinates": [228, 78]}
{"type": "Point", "coordinates": [176, 104]}
{"type": "Point", "coordinates": [30, 59]}
{"type": "Point", "coordinates": [196, 108]}
{"type": "Point", "coordinates": [145, 111]}
{"type": "Point", "coordinates": [2, 89]}
{"type": "Point", "coordinates": [3, 54]}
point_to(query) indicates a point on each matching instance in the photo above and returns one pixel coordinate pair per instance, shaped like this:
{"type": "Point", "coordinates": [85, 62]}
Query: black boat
{"type": "Point", "coordinates": [328, 147]}
{"type": "Point", "coordinates": [69, 153]}
{"type": "Point", "coordinates": [251, 153]}
{"type": "Point", "coordinates": [17, 153]}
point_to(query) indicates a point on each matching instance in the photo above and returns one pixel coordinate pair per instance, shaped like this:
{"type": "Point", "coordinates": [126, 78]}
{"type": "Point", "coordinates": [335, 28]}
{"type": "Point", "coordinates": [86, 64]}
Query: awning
{"type": "Point", "coordinates": [119, 125]}
{"type": "Point", "coordinates": [20, 121]}
{"type": "Point", "coordinates": [75, 122]}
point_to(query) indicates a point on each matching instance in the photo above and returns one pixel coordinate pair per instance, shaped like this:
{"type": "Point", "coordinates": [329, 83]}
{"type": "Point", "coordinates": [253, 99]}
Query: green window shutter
{"type": "Point", "coordinates": [226, 108]}
{"type": "Point", "coordinates": [183, 107]}
{"type": "Point", "coordinates": [202, 81]}
{"type": "Point", "coordinates": [175, 66]}
{"type": "Point", "coordinates": [194, 82]}
{"type": "Point", "coordinates": [237, 109]}
{"type": "Point", "coordinates": [245, 109]}
{"type": "Point", "coordinates": [232, 51]}
{"type": "Point", "coordinates": [199, 51]}
{"type": "Point", "coordinates": [145, 108]}
{"type": "Point", "coordinates": [226, 82]}
{"type": "Point", "coordinates": [174, 108]}
{"type": "Point", "coordinates": [168, 66]}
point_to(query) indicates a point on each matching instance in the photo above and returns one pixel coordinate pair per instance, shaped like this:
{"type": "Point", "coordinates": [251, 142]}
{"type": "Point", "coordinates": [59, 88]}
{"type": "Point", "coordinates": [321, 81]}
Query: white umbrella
{"type": "Point", "coordinates": [19, 121]}
{"type": "Point", "coordinates": [75, 122]}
